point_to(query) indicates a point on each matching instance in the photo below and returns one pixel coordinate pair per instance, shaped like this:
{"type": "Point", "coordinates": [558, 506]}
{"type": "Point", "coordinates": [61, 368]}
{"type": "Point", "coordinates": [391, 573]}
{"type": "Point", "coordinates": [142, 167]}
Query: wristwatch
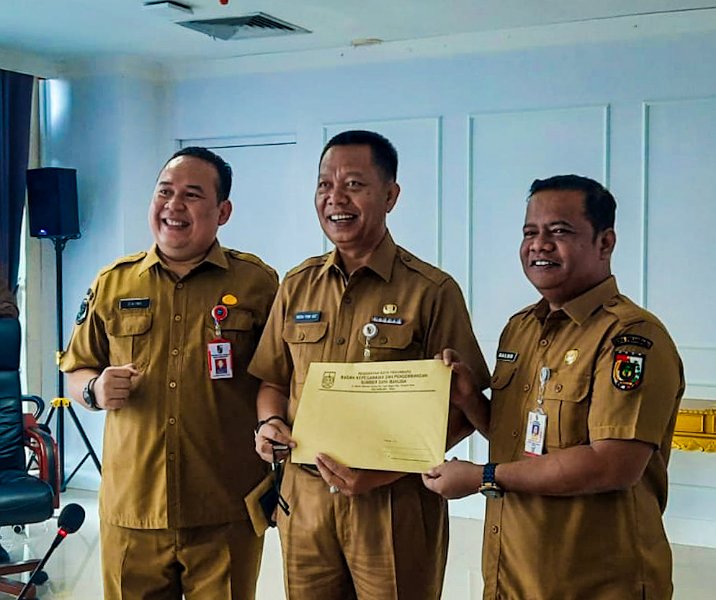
{"type": "Point", "coordinates": [489, 487]}
{"type": "Point", "coordinates": [88, 395]}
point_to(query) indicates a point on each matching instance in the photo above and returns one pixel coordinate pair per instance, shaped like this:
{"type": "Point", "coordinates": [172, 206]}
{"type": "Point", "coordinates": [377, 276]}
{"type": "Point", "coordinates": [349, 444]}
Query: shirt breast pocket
{"type": "Point", "coordinates": [305, 342]}
{"type": "Point", "coordinates": [501, 379]}
{"type": "Point", "coordinates": [237, 328]}
{"type": "Point", "coordinates": [130, 339]}
{"type": "Point", "coordinates": [394, 342]}
{"type": "Point", "coordinates": [566, 401]}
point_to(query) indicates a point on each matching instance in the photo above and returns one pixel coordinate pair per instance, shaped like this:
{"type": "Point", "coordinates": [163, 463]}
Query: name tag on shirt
{"type": "Point", "coordinates": [310, 316]}
{"type": "Point", "coordinates": [128, 303]}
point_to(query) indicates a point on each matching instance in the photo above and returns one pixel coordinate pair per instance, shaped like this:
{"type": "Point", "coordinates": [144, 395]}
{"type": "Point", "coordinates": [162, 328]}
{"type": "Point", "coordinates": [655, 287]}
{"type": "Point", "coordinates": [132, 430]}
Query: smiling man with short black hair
{"type": "Point", "coordinates": [584, 400]}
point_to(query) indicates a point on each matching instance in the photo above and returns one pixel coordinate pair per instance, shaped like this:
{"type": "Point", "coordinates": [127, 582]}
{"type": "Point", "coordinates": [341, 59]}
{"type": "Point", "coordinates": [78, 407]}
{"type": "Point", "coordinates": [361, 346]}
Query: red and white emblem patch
{"type": "Point", "coordinates": [628, 370]}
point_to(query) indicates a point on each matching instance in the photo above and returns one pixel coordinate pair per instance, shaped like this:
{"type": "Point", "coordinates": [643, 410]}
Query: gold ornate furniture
{"type": "Point", "coordinates": [696, 426]}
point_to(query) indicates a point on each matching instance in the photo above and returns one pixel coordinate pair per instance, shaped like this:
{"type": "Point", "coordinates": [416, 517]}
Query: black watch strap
{"type": "Point", "coordinates": [488, 474]}
{"type": "Point", "coordinates": [263, 422]}
{"type": "Point", "coordinates": [489, 487]}
{"type": "Point", "coordinates": [88, 394]}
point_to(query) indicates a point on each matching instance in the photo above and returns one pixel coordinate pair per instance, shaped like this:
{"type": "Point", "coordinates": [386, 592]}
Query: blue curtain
{"type": "Point", "coordinates": [15, 107]}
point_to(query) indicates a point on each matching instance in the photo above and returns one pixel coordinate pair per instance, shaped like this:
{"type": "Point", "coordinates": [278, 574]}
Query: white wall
{"type": "Point", "coordinates": [473, 131]}
{"type": "Point", "coordinates": [110, 128]}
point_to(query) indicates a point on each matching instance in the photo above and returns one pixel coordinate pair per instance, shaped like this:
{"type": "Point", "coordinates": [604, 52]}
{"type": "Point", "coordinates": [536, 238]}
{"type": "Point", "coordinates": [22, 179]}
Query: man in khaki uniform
{"type": "Point", "coordinates": [150, 347]}
{"type": "Point", "coordinates": [353, 533]}
{"type": "Point", "coordinates": [584, 400]}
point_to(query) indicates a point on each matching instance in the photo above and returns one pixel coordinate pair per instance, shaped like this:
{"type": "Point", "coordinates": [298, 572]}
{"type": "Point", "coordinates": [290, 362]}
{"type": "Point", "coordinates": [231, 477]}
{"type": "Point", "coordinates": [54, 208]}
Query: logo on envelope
{"type": "Point", "coordinates": [329, 378]}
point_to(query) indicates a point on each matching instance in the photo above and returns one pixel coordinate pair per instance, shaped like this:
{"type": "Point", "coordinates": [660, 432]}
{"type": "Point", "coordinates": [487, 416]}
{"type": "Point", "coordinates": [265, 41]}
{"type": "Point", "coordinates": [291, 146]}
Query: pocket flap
{"type": "Point", "coordinates": [392, 336]}
{"type": "Point", "coordinates": [502, 376]}
{"type": "Point", "coordinates": [131, 324]}
{"type": "Point", "coordinates": [297, 333]}
{"type": "Point", "coordinates": [237, 320]}
{"type": "Point", "coordinates": [568, 388]}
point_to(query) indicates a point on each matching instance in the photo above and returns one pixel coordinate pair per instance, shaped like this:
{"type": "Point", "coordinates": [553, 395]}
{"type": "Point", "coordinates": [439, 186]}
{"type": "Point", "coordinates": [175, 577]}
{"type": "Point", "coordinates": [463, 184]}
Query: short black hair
{"type": "Point", "coordinates": [223, 169]}
{"type": "Point", "coordinates": [385, 156]}
{"type": "Point", "coordinates": [599, 205]}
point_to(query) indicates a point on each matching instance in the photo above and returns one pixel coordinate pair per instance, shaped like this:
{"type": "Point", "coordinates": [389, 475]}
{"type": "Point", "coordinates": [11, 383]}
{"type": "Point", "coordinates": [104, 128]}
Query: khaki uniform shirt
{"type": "Point", "coordinates": [180, 453]}
{"type": "Point", "coordinates": [429, 315]}
{"type": "Point", "coordinates": [614, 374]}
{"type": "Point", "coordinates": [318, 315]}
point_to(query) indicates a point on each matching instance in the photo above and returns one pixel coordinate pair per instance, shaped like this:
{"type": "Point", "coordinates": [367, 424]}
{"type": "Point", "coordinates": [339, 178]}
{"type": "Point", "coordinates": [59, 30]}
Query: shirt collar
{"type": "Point", "coordinates": [215, 256]}
{"type": "Point", "coordinates": [380, 261]}
{"type": "Point", "coordinates": [583, 306]}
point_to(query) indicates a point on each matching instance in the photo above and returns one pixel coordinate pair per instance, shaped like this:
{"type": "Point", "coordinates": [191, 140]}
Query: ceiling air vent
{"type": "Point", "coordinates": [248, 26]}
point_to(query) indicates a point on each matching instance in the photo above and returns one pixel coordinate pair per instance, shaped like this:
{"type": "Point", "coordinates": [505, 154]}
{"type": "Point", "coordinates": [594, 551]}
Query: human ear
{"type": "Point", "coordinates": [393, 194]}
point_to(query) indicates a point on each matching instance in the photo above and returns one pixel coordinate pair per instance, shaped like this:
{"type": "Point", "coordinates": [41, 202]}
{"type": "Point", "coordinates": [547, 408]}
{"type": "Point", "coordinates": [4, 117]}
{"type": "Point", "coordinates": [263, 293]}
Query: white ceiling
{"type": "Point", "coordinates": [92, 29]}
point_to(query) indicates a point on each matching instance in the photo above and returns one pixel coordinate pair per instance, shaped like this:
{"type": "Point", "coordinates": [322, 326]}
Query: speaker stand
{"type": "Point", "coordinates": [62, 404]}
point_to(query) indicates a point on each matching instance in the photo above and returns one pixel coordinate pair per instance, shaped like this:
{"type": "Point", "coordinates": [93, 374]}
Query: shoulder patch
{"type": "Point", "coordinates": [427, 270]}
{"type": "Point", "coordinates": [628, 370]}
{"type": "Point", "coordinates": [314, 261]}
{"type": "Point", "coordinates": [630, 339]}
{"type": "Point", "coordinates": [130, 258]}
{"type": "Point", "coordinates": [84, 307]}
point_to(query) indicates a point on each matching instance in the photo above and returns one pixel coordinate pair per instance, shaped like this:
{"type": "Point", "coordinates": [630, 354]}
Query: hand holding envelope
{"type": "Point", "coordinates": [389, 416]}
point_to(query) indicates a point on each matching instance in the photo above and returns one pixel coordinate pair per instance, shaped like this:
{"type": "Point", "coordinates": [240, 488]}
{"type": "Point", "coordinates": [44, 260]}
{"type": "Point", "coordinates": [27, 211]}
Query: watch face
{"type": "Point", "coordinates": [491, 490]}
{"type": "Point", "coordinates": [491, 493]}
{"type": "Point", "coordinates": [89, 397]}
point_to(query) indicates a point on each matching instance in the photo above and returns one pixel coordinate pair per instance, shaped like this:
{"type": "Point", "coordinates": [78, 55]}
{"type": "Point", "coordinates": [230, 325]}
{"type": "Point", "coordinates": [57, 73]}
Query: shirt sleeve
{"type": "Point", "coordinates": [272, 360]}
{"type": "Point", "coordinates": [88, 347]}
{"type": "Point", "coordinates": [451, 328]}
{"type": "Point", "coordinates": [638, 382]}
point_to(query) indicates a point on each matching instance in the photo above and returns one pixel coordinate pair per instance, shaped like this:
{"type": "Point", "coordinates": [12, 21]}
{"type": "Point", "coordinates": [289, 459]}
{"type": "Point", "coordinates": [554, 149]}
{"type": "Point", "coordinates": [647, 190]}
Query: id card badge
{"type": "Point", "coordinates": [220, 364]}
{"type": "Point", "coordinates": [536, 430]}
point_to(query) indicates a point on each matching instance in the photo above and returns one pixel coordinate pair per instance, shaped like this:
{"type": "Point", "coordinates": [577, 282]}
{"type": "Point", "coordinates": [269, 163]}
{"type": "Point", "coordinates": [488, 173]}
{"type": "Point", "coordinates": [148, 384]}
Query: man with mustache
{"type": "Point", "coordinates": [356, 533]}
{"type": "Point", "coordinates": [585, 395]}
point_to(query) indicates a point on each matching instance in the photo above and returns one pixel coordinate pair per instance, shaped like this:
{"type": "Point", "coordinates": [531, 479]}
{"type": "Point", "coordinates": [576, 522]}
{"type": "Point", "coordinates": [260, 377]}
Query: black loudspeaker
{"type": "Point", "coordinates": [52, 202]}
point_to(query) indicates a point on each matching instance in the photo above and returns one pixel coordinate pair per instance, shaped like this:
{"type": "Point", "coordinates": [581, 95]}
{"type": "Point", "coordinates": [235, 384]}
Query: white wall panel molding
{"type": "Point", "coordinates": [644, 227]}
{"type": "Point", "coordinates": [699, 363]}
{"type": "Point", "coordinates": [268, 139]}
{"type": "Point", "coordinates": [679, 154]}
{"type": "Point", "coordinates": [507, 150]}
{"type": "Point", "coordinates": [689, 517]}
{"type": "Point", "coordinates": [273, 214]}
{"type": "Point", "coordinates": [416, 221]}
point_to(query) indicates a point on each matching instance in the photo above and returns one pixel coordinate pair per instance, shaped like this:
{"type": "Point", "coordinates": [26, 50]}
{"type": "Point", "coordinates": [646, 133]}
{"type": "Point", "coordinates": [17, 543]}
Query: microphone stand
{"type": "Point", "coordinates": [70, 520]}
{"type": "Point", "coordinates": [29, 585]}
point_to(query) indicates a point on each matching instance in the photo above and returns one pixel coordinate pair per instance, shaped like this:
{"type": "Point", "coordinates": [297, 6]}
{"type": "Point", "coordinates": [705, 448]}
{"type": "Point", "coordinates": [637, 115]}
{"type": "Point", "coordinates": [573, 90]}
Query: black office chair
{"type": "Point", "coordinates": [24, 498]}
